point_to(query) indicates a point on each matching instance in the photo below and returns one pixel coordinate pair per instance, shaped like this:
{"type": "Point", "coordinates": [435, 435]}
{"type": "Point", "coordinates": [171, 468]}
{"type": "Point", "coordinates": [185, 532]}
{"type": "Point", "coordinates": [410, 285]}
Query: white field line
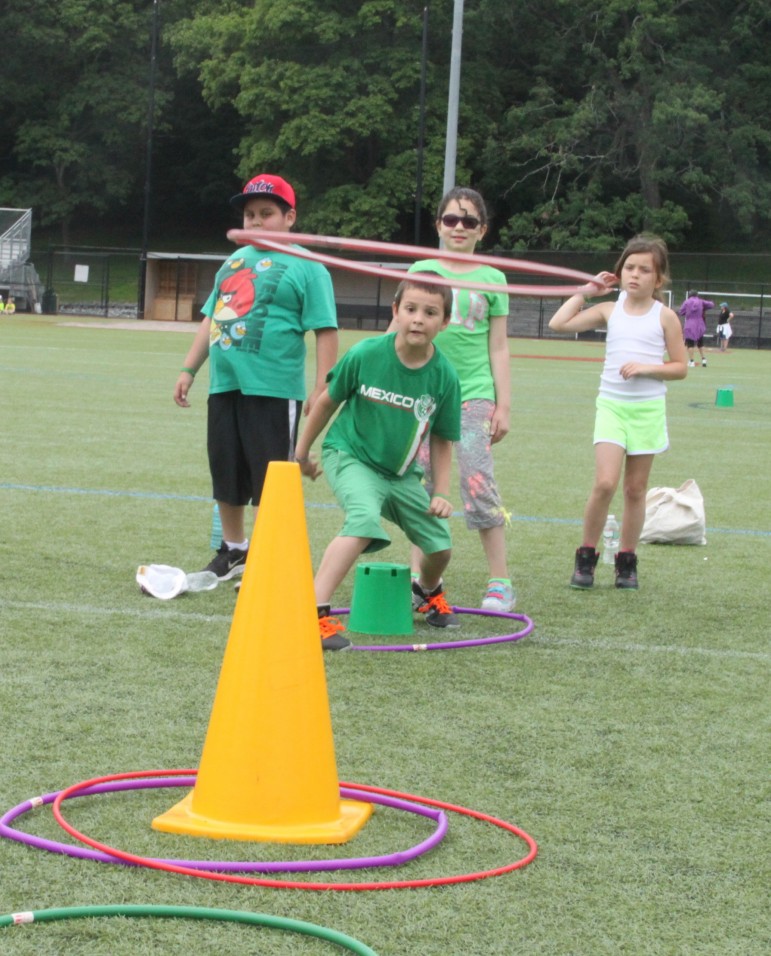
{"type": "Point", "coordinates": [161, 611]}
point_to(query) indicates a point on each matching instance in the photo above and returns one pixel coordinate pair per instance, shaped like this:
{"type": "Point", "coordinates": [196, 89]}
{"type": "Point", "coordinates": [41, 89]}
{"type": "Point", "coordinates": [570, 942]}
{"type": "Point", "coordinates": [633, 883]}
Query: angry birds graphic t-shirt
{"type": "Point", "coordinates": [261, 307]}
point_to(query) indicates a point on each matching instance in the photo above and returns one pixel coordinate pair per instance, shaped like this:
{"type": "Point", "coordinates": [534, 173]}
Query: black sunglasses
{"type": "Point", "coordinates": [469, 222]}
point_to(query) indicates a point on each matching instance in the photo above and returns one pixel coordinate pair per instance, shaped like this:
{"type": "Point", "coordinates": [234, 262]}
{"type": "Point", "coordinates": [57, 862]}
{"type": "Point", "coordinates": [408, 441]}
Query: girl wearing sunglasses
{"type": "Point", "coordinates": [475, 342]}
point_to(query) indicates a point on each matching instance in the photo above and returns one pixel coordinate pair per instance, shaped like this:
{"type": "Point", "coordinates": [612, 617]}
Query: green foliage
{"type": "Point", "coordinates": [629, 107]}
{"type": "Point", "coordinates": [78, 98]}
{"type": "Point", "coordinates": [579, 122]}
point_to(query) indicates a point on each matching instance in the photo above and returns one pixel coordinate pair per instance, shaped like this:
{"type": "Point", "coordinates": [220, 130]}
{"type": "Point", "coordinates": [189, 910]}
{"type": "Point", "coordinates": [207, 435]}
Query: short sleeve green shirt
{"type": "Point", "coordinates": [466, 340]}
{"type": "Point", "coordinates": [261, 307]}
{"type": "Point", "coordinates": [387, 409]}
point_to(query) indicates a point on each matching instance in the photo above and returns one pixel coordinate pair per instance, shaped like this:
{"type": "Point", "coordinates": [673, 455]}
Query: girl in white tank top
{"type": "Point", "coordinates": [644, 350]}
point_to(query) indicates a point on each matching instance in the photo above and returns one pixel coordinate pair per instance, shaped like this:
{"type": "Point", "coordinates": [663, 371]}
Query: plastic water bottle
{"type": "Point", "coordinates": [216, 527]}
{"type": "Point", "coordinates": [611, 540]}
{"type": "Point", "coordinates": [202, 581]}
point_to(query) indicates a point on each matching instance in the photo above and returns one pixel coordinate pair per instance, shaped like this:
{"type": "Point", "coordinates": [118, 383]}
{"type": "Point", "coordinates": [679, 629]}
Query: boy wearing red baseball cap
{"type": "Point", "coordinates": [253, 333]}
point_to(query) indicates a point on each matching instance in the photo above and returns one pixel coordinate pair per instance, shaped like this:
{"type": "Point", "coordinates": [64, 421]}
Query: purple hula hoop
{"type": "Point", "coordinates": [452, 645]}
{"type": "Point", "coordinates": [300, 866]}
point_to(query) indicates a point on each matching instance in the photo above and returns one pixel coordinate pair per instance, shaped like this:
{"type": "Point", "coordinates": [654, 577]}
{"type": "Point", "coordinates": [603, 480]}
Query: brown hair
{"type": "Point", "coordinates": [656, 247]}
{"type": "Point", "coordinates": [422, 280]}
{"type": "Point", "coordinates": [461, 194]}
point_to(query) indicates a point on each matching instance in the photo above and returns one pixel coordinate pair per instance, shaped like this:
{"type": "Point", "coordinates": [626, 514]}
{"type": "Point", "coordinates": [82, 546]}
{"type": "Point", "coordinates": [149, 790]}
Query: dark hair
{"type": "Point", "coordinates": [282, 204]}
{"type": "Point", "coordinates": [421, 280]}
{"type": "Point", "coordinates": [656, 247]}
{"type": "Point", "coordinates": [459, 194]}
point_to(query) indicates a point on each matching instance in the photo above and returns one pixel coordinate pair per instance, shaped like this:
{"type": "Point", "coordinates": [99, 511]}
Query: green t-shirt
{"type": "Point", "coordinates": [261, 306]}
{"type": "Point", "coordinates": [466, 339]}
{"type": "Point", "coordinates": [388, 408]}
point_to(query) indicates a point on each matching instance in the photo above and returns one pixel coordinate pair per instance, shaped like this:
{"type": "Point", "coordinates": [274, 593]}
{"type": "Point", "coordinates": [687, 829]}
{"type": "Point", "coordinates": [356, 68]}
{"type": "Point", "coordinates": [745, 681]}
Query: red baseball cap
{"type": "Point", "coordinates": [264, 184]}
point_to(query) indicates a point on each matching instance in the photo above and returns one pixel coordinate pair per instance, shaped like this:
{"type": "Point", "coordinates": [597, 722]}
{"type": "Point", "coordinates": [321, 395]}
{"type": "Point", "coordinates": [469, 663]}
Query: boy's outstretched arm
{"type": "Point", "coordinates": [440, 451]}
{"type": "Point", "coordinates": [321, 413]}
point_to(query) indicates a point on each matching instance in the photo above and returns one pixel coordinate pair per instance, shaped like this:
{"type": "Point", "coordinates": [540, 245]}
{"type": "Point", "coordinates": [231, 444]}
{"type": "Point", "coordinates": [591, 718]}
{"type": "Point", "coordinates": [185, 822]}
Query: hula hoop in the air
{"type": "Point", "coordinates": [291, 243]}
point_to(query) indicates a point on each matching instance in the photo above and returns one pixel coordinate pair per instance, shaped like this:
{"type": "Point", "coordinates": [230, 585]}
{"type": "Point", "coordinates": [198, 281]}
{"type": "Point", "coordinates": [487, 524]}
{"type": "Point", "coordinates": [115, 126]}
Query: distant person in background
{"type": "Point", "coordinates": [693, 311]}
{"type": "Point", "coordinates": [724, 329]}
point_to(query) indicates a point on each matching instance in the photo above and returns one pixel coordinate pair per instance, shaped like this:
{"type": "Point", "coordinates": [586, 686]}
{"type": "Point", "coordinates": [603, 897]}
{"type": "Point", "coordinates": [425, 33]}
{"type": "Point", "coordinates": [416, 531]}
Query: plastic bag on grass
{"type": "Point", "coordinates": [674, 515]}
{"type": "Point", "coordinates": [165, 582]}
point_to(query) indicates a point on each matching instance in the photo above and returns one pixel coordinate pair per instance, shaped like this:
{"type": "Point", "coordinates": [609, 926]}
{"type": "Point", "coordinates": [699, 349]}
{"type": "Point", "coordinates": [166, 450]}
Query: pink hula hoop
{"type": "Point", "coordinates": [287, 242]}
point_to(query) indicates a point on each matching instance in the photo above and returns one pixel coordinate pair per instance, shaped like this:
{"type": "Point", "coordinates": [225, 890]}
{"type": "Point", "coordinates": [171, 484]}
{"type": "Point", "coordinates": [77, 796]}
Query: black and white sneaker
{"type": "Point", "coordinates": [227, 562]}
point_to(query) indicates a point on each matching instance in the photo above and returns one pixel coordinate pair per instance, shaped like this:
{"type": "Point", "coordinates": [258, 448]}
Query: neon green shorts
{"type": "Point", "coordinates": [367, 496]}
{"type": "Point", "coordinates": [639, 427]}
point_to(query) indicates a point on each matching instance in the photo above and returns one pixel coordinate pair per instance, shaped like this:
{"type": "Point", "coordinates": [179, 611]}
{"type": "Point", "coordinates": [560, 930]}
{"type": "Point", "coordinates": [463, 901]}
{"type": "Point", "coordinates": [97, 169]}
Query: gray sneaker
{"type": "Point", "coordinates": [330, 628]}
{"type": "Point", "coordinates": [499, 597]}
{"type": "Point", "coordinates": [434, 605]}
{"type": "Point", "coordinates": [626, 570]}
{"type": "Point", "coordinates": [583, 574]}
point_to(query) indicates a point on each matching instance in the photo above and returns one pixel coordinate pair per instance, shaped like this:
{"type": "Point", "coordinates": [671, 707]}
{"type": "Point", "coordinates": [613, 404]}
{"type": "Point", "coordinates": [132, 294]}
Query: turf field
{"type": "Point", "coordinates": [628, 734]}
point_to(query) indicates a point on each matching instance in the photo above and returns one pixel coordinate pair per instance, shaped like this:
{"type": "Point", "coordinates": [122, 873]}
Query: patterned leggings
{"type": "Point", "coordinates": [482, 504]}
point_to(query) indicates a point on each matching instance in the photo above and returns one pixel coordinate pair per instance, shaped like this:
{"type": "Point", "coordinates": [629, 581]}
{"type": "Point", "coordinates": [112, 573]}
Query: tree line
{"type": "Point", "coordinates": [581, 121]}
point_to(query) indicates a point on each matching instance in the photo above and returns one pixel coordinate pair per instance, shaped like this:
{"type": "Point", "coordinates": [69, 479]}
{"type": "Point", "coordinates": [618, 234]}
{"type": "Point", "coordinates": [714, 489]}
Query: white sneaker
{"type": "Point", "coordinates": [691, 364]}
{"type": "Point", "coordinates": [499, 597]}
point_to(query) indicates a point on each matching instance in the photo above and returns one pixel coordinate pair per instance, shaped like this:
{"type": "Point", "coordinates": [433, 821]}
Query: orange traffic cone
{"type": "Point", "coordinates": [268, 768]}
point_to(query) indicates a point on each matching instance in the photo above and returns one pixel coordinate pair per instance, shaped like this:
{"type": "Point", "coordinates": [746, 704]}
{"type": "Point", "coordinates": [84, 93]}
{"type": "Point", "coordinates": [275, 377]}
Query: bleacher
{"type": "Point", "coordinates": [19, 280]}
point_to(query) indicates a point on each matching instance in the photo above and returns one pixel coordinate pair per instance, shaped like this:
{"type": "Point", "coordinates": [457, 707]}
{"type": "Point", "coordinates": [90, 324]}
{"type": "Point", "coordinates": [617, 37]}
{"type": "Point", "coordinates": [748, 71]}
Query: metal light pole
{"type": "Point", "coordinates": [451, 142]}
{"type": "Point", "coordinates": [148, 162]}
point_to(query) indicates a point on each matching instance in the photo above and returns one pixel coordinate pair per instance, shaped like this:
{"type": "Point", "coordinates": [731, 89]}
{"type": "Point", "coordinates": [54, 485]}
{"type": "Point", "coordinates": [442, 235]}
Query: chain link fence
{"type": "Point", "coordinates": [106, 281]}
{"type": "Point", "coordinates": [89, 280]}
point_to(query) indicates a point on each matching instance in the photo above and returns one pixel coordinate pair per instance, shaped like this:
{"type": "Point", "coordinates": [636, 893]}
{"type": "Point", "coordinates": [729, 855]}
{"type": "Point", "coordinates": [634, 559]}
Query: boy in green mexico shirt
{"type": "Point", "coordinates": [391, 391]}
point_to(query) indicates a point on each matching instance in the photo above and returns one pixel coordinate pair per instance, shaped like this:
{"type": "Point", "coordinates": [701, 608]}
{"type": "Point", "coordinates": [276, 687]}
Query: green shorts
{"type": "Point", "coordinates": [638, 427]}
{"type": "Point", "coordinates": [366, 496]}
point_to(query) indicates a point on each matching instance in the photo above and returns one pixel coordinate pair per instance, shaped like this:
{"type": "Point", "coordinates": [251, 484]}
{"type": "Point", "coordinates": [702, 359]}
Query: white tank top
{"type": "Point", "coordinates": [632, 338]}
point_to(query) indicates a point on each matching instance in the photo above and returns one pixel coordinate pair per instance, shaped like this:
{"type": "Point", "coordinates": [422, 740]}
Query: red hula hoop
{"type": "Point", "coordinates": [286, 884]}
{"type": "Point", "coordinates": [287, 242]}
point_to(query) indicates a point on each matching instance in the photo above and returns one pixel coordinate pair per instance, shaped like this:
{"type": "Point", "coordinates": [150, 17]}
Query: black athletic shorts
{"type": "Point", "coordinates": [246, 433]}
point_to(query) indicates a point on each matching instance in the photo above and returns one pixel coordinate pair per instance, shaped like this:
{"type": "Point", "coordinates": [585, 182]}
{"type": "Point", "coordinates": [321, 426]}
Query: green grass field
{"type": "Point", "coordinates": [628, 734]}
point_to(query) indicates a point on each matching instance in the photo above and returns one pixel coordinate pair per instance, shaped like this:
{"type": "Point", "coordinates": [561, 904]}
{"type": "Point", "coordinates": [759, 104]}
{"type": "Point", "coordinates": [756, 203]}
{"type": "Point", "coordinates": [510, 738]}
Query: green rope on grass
{"type": "Point", "coordinates": [190, 912]}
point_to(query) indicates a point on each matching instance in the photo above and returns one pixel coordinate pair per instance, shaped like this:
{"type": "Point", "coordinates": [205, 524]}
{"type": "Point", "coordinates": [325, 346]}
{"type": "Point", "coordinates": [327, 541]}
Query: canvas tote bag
{"type": "Point", "coordinates": [674, 515]}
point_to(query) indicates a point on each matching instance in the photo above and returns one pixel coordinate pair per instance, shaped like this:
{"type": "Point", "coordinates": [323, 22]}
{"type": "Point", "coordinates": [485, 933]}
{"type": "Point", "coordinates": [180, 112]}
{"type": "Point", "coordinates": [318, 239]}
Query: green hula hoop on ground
{"type": "Point", "coordinates": [190, 912]}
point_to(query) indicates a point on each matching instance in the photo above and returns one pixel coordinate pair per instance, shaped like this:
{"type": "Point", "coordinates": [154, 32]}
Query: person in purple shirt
{"type": "Point", "coordinates": [693, 311]}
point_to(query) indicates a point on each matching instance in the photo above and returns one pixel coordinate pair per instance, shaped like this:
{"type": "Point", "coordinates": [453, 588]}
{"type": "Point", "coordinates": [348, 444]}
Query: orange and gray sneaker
{"type": "Point", "coordinates": [434, 605]}
{"type": "Point", "coordinates": [330, 628]}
